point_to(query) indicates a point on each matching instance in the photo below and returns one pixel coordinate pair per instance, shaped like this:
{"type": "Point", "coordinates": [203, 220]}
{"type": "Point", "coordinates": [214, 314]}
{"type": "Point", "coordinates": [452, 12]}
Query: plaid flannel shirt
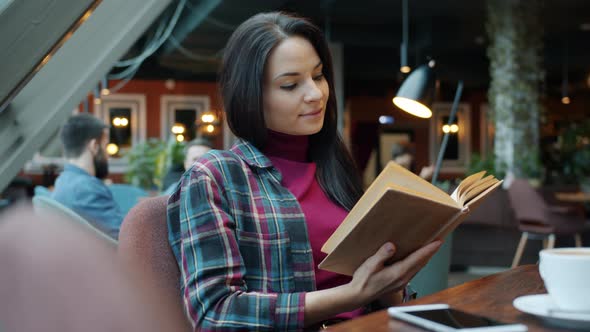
{"type": "Point", "coordinates": [241, 242]}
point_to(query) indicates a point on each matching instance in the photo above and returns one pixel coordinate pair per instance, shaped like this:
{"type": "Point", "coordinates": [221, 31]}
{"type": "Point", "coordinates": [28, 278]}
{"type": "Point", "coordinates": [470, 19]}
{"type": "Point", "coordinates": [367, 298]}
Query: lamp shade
{"type": "Point", "coordinates": [415, 94]}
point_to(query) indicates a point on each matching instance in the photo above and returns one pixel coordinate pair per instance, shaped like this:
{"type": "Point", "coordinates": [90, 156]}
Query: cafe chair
{"type": "Point", "coordinates": [58, 277]}
{"type": "Point", "coordinates": [46, 204]}
{"type": "Point", "coordinates": [41, 191]}
{"type": "Point", "coordinates": [539, 221]}
{"type": "Point", "coordinates": [144, 249]}
{"type": "Point", "coordinates": [126, 196]}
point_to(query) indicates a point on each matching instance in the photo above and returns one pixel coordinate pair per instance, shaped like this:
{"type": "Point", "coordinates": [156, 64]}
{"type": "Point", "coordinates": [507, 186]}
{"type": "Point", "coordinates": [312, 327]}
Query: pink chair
{"type": "Point", "coordinates": [58, 276]}
{"type": "Point", "coordinates": [537, 220]}
{"type": "Point", "coordinates": [144, 248]}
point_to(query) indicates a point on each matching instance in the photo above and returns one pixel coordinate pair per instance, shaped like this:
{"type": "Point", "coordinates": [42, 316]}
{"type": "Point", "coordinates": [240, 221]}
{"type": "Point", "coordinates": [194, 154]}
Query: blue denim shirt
{"type": "Point", "coordinates": [90, 198]}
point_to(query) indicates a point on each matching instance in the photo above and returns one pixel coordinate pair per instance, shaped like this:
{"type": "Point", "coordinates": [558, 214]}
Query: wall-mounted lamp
{"type": "Point", "coordinates": [178, 129]}
{"type": "Point", "coordinates": [180, 138]}
{"type": "Point", "coordinates": [208, 123]}
{"type": "Point", "coordinates": [208, 117]}
{"type": "Point", "coordinates": [112, 149]}
{"type": "Point", "coordinates": [120, 122]}
{"type": "Point", "coordinates": [452, 129]}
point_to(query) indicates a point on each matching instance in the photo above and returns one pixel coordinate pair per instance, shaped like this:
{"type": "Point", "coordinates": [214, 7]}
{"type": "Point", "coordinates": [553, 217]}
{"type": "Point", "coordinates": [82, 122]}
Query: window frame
{"type": "Point", "coordinates": [463, 116]}
{"type": "Point", "coordinates": [170, 103]}
{"type": "Point", "coordinates": [136, 102]}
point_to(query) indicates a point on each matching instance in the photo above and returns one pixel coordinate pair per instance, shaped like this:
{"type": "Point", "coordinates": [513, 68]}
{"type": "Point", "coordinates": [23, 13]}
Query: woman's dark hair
{"type": "Point", "coordinates": [241, 82]}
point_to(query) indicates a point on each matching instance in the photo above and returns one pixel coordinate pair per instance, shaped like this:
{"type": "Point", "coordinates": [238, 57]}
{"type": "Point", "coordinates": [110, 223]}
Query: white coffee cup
{"type": "Point", "coordinates": [566, 274]}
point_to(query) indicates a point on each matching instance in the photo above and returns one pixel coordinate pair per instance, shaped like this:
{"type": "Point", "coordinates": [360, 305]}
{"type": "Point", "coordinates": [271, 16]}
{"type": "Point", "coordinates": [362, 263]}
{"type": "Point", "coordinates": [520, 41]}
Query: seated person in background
{"type": "Point", "coordinates": [192, 151]}
{"type": "Point", "coordinates": [80, 186]}
{"type": "Point", "coordinates": [404, 156]}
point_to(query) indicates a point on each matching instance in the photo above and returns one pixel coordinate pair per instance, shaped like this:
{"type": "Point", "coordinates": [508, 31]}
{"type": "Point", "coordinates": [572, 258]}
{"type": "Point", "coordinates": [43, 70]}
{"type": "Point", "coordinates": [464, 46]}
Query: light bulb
{"type": "Point", "coordinates": [112, 149]}
{"type": "Point", "coordinates": [413, 107]}
{"type": "Point", "coordinates": [178, 129]}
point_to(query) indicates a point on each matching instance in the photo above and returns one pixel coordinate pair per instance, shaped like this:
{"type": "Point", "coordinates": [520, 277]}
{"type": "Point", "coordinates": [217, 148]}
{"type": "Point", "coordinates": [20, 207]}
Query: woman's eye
{"type": "Point", "coordinates": [288, 87]}
{"type": "Point", "coordinates": [318, 77]}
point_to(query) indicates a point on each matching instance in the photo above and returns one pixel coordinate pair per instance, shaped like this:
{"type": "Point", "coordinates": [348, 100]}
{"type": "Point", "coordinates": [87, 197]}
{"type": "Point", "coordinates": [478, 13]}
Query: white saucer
{"type": "Point", "coordinates": [542, 305]}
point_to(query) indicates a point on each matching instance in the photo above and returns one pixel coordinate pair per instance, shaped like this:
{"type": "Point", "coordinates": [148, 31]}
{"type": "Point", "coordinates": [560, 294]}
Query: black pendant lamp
{"type": "Point", "coordinates": [416, 92]}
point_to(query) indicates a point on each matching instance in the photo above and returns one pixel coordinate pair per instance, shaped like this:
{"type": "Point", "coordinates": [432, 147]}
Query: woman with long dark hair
{"type": "Point", "coordinates": [246, 225]}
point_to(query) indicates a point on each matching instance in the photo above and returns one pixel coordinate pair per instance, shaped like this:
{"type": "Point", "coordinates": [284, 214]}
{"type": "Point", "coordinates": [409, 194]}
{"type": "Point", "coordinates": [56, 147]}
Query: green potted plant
{"type": "Point", "coordinates": [574, 154]}
{"type": "Point", "coordinates": [149, 161]}
{"type": "Point", "coordinates": [486, 163]}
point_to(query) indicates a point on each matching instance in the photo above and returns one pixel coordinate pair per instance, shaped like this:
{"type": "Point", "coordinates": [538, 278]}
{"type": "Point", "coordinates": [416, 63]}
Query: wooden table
{"type": "Point", "coordinates": [491, 296]}
{"type": "Point", "coordinates": [578, 197]}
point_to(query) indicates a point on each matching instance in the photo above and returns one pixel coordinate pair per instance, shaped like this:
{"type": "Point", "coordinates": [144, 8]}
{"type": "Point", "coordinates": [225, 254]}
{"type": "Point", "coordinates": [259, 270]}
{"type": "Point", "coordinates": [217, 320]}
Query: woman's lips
{"type": "Point", "coordinates": [312, 113]}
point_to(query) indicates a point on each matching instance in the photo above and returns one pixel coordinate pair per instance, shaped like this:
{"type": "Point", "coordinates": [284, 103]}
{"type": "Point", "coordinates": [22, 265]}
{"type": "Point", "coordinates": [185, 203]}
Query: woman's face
{"type": "Point", "coordinates": [295, 89]}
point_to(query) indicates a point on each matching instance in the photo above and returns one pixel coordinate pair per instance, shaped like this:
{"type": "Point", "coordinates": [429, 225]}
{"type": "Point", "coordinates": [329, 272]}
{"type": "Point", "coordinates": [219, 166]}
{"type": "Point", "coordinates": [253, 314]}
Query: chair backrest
{"type": "Point", "coordinates": [46, 204]}
{"type": "Point", "coordinates": [126, 195]}
{"type": "Point", "coordinates": [42, 191]}
{"type": "Point", "coordinates": [527, 203]}
{"type": "Point", "coordinates": [144, 248]}
{"type": "Point", "coordinates": [55, 276]}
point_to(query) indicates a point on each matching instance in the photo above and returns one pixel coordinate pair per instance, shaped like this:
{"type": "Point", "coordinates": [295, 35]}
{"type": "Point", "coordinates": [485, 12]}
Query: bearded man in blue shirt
{"type": "Point", "coordinates": [79, 186]}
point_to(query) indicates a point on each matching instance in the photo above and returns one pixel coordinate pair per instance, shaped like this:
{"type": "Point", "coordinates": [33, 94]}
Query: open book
{"type": "Point", "coordinates": [405, 209]}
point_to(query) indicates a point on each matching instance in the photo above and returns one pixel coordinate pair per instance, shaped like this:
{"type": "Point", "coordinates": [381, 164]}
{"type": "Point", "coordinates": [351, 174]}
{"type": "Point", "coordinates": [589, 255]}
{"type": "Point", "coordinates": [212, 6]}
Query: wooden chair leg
{"type": "Point", "coordinates": [578, 238]}
{"type": "Point", "coordinates": [519, 250]}
{"type": "Point", "coordinates": [551, 242]}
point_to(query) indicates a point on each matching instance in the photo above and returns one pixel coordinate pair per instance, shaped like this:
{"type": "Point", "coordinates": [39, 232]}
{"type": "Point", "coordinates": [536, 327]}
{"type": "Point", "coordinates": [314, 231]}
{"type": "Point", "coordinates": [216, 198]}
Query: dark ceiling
{"type": "Point", "coordinates": [450, 31]}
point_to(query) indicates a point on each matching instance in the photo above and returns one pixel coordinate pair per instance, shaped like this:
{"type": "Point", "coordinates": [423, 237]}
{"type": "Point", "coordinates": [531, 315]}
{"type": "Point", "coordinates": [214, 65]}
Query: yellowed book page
{"type": "Point", "coordinates": [474, 202]}
{"type": "Point", "coordinates": [466, 183]}
{"type": "Point", "coordinates": [477, 188]}
{"type": "Point", "coordinates": [392, 175]}
{"type": "Point", "coordinates": [406, 220]}
{"type": "Point", "coordinates": [403, 177]}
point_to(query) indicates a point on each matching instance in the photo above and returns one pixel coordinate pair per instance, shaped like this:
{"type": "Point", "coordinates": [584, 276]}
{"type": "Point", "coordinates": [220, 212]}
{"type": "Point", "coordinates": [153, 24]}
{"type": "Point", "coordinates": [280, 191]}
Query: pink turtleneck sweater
{"type": "Point", "coordinates": [288, 154]}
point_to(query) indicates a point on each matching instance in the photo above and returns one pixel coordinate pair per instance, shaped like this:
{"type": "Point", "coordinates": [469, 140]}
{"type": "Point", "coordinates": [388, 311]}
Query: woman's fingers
{"type": "Point", "coordinates": [375, 262]}
{"type": "Point", "coordinates": [409, 266]}
{"type": "Point", "coordinates": [372, 278]}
